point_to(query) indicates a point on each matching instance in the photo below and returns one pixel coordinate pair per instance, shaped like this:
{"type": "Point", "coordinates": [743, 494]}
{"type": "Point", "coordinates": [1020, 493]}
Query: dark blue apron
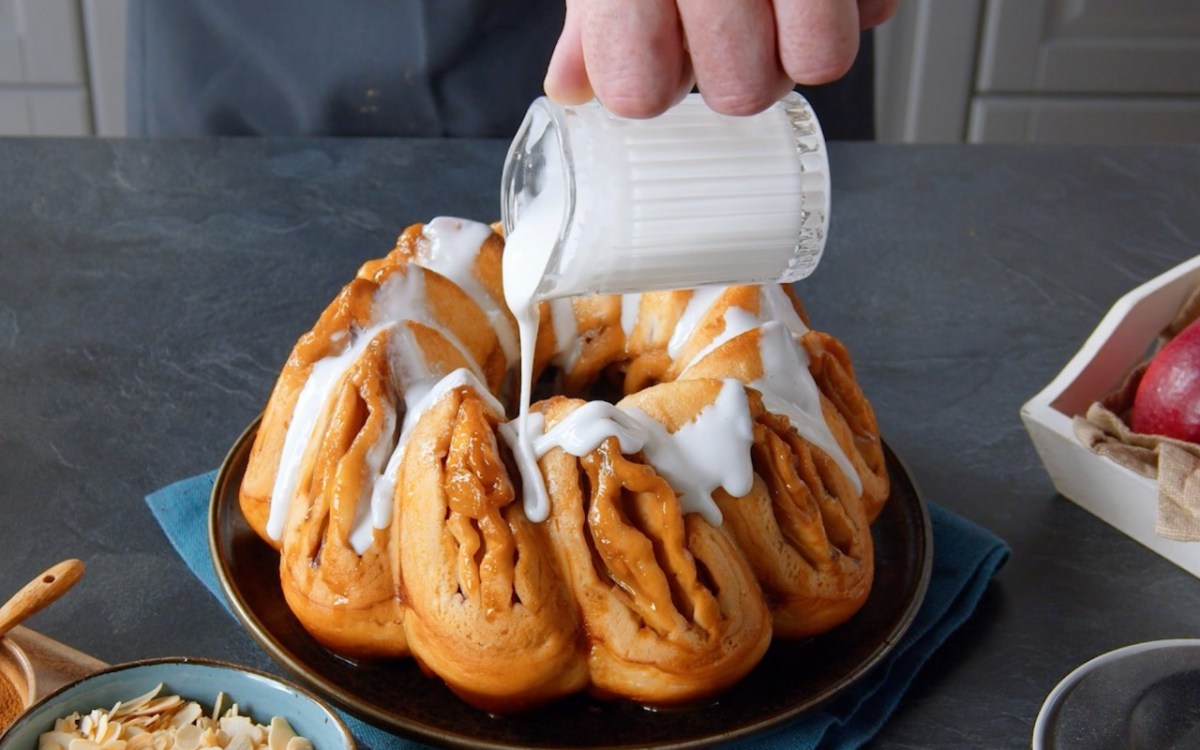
{"type": "Point", "coordinates": [420, 68]}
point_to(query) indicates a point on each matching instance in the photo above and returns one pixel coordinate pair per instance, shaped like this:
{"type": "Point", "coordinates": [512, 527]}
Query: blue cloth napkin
{"type": "Point", "coordinates": [965, 557]}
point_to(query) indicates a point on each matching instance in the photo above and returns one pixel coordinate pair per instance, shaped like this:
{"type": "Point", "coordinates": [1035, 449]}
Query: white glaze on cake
{"type": "Point", "coordinates": [450, 248]}
{"type": "Point", "coordinates": [400, 300]}
{"type": "Point", "coordinates": [786, 385]}
{"type": "Point", "coordinates": [568, 345]}
{"type": "Point", "coordinates": [311, 403]}
{"type": "Point", "coordinates": [710, 452]}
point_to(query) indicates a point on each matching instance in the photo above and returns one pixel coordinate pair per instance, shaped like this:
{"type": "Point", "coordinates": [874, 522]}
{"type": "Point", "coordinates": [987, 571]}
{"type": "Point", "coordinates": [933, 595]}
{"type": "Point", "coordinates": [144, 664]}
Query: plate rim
{"type": "Point", "coordinates": [420, 731]}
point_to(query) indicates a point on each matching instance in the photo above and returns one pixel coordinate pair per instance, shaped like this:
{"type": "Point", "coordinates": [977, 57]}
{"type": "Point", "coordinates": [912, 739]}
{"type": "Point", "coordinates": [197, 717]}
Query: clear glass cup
{"type": "Point", "coordinates": [683, 200]}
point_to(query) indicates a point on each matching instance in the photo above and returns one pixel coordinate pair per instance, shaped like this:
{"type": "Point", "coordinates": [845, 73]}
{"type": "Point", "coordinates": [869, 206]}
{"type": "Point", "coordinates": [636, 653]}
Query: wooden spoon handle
{"type": "Point", "coordinates": [39, 592]}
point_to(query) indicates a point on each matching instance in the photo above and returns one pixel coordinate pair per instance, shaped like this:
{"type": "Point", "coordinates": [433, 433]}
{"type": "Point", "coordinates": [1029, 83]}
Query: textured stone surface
{"type": "Point", "coordinates": [149, 292]}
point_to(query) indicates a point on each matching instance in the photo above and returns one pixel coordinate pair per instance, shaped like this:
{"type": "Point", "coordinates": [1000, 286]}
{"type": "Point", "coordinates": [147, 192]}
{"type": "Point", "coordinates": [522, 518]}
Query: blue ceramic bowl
{"type": "Point", "coordinates": [258, 695]}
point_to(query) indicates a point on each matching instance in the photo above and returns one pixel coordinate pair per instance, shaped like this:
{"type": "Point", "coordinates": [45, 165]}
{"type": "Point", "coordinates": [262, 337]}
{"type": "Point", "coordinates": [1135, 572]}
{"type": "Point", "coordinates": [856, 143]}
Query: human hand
{"type": "Point", "coordinates": [638, 57]}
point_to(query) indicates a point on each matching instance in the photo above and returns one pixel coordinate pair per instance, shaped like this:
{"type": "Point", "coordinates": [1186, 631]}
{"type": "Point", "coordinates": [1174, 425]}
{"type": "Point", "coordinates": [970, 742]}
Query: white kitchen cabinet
{"type": "Point", "coordinates": [43, 72]}
{"type": "Point", "coordinates": [104, 24]}
{"type": "Point", "coordinates": [1042, 71]}
{"type": "Point", "coordinates": [1101, 47]}
{"type": "Point", "coordinates": [62, 67]}
{"type": "Point", "coordinates": [1013, 119]}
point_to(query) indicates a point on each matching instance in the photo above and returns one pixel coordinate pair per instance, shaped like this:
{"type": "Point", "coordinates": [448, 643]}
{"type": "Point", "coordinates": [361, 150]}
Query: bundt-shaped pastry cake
{"type": "Point", "coordinates": [725, 497]}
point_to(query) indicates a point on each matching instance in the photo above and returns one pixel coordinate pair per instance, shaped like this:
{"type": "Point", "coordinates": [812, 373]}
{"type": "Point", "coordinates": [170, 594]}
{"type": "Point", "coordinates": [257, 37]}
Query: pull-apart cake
{"type": "Point", "coordinates": [724, 499]}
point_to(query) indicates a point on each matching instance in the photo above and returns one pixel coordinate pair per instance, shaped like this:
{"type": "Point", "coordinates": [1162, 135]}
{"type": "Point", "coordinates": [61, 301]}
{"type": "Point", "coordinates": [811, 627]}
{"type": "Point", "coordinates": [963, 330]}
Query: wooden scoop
{"type": "Point", "coordinates": [39, 592]}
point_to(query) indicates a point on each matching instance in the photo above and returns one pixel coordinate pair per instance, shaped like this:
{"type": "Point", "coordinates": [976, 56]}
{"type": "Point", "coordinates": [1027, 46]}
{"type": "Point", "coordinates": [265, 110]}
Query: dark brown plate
{"type": "Point", "coordinates": [794, 677]}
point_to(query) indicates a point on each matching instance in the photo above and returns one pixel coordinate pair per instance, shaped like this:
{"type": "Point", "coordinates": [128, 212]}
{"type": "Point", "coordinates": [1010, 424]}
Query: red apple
{"type": "Point", "coordinates": [1167, 401]}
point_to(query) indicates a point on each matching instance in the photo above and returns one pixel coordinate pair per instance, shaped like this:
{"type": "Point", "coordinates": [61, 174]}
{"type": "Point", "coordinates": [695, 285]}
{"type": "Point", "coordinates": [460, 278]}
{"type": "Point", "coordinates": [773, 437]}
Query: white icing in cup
{"type": "Point", "coordinates": [678, 201]}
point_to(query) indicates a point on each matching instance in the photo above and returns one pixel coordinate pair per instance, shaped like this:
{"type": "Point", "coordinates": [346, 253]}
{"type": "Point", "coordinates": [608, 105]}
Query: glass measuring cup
{"type": "Point", "coordinates": [692, 197]}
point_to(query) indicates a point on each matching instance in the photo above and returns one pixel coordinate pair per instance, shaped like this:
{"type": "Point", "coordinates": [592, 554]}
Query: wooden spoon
{"type": "Point", "coordinates": [39, 592]}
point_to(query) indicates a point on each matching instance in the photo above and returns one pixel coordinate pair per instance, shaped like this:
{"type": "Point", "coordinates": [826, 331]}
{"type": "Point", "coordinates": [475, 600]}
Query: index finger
{"type": "Point", "coordinates": [634, 55]}
{"type": "Point", "coordinates": [818, 39]}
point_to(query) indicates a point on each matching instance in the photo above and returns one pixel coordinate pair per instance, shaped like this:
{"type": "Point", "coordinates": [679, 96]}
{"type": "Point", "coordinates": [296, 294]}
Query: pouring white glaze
{"type": "Point", "coordinates": [686, 200]}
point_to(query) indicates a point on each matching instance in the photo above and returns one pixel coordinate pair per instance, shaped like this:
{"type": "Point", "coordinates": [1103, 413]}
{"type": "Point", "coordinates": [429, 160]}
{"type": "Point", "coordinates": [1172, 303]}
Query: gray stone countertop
{"type": "Point", "coordinates": [150, 291]}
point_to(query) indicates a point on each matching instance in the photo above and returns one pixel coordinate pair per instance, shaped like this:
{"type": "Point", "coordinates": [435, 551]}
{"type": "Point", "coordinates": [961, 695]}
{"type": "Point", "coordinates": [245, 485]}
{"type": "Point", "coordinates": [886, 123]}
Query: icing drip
{"type": "Point", "coordinates": [400, 299]}
{"type": "Point", "coordinates": [630, 305]}
{"type": "Point", "coordinates": [450, 249]}
{"type": "Point", "coordinates": [367, 513]}
{"type": "Point", "coordinates": [786, 385]}
{"type": "Point", "coordinates": [702, 299]}
{"type": "Point", "coordinates": [419, 397]}
{"type": "Point", "coordinates": [776, 306]}
{"type": "Point", "coordinates": [788, 389]}
{"type": "Point", "coordinates": [584, 429]}
{"type": "Point", "coordinates": [579, 433]}
{"type": "Point", "coordinates": [567, 343]}
{"type": "Point", "coordinates": [323, 378]}
{"type": "Point", "coordinates": [537, 500]}
{"type": "Point", "coordinates": [712, 451]}
{"type": "Point", "coordinates": [526, 254]}
{"type": "Point", "coordinates": [409, 373]}
{"type": "Point", "coordinates": [737, 321]}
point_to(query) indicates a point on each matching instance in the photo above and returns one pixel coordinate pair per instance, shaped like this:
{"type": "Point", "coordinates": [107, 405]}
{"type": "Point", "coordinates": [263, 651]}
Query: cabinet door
{"type": "Point", "coordinates": [43, 76]}
{"type": "Point", "coordinates": [41, 43]}
{"type": "Point", "coordinates": [1052, 119]}
{"type": "Point", "coordinates": [1091, 46]}
{"type": "Point", "coordinates": [104, 23]}
{"type": "Point", "coordinates": [52, 112]}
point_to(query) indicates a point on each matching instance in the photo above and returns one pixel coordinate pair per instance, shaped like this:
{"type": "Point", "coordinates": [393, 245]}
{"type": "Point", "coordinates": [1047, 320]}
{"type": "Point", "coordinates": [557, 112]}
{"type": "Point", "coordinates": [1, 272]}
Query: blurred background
{"type": "Point", "coordinates": [947, 71]}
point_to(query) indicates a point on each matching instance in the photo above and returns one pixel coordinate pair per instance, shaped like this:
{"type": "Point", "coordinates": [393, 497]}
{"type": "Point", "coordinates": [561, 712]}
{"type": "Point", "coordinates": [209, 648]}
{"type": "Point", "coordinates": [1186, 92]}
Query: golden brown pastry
{"type": "Point", "coordinates": [489, 612]}
{"type": "Point", "coordinates": [725, 500]}
{"type": "Point", "coordinates": [670, 606]}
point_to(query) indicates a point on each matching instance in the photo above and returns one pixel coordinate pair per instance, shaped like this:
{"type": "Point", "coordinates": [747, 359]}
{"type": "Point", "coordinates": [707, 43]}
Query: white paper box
{"type": "Point", "coordinates": [1119, 496]}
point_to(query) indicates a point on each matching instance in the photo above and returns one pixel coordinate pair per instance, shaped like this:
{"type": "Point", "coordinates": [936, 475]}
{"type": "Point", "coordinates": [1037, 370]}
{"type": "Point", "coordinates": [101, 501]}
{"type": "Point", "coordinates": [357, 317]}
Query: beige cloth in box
{"type": "Point", "coordinates": [1174, 463]}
